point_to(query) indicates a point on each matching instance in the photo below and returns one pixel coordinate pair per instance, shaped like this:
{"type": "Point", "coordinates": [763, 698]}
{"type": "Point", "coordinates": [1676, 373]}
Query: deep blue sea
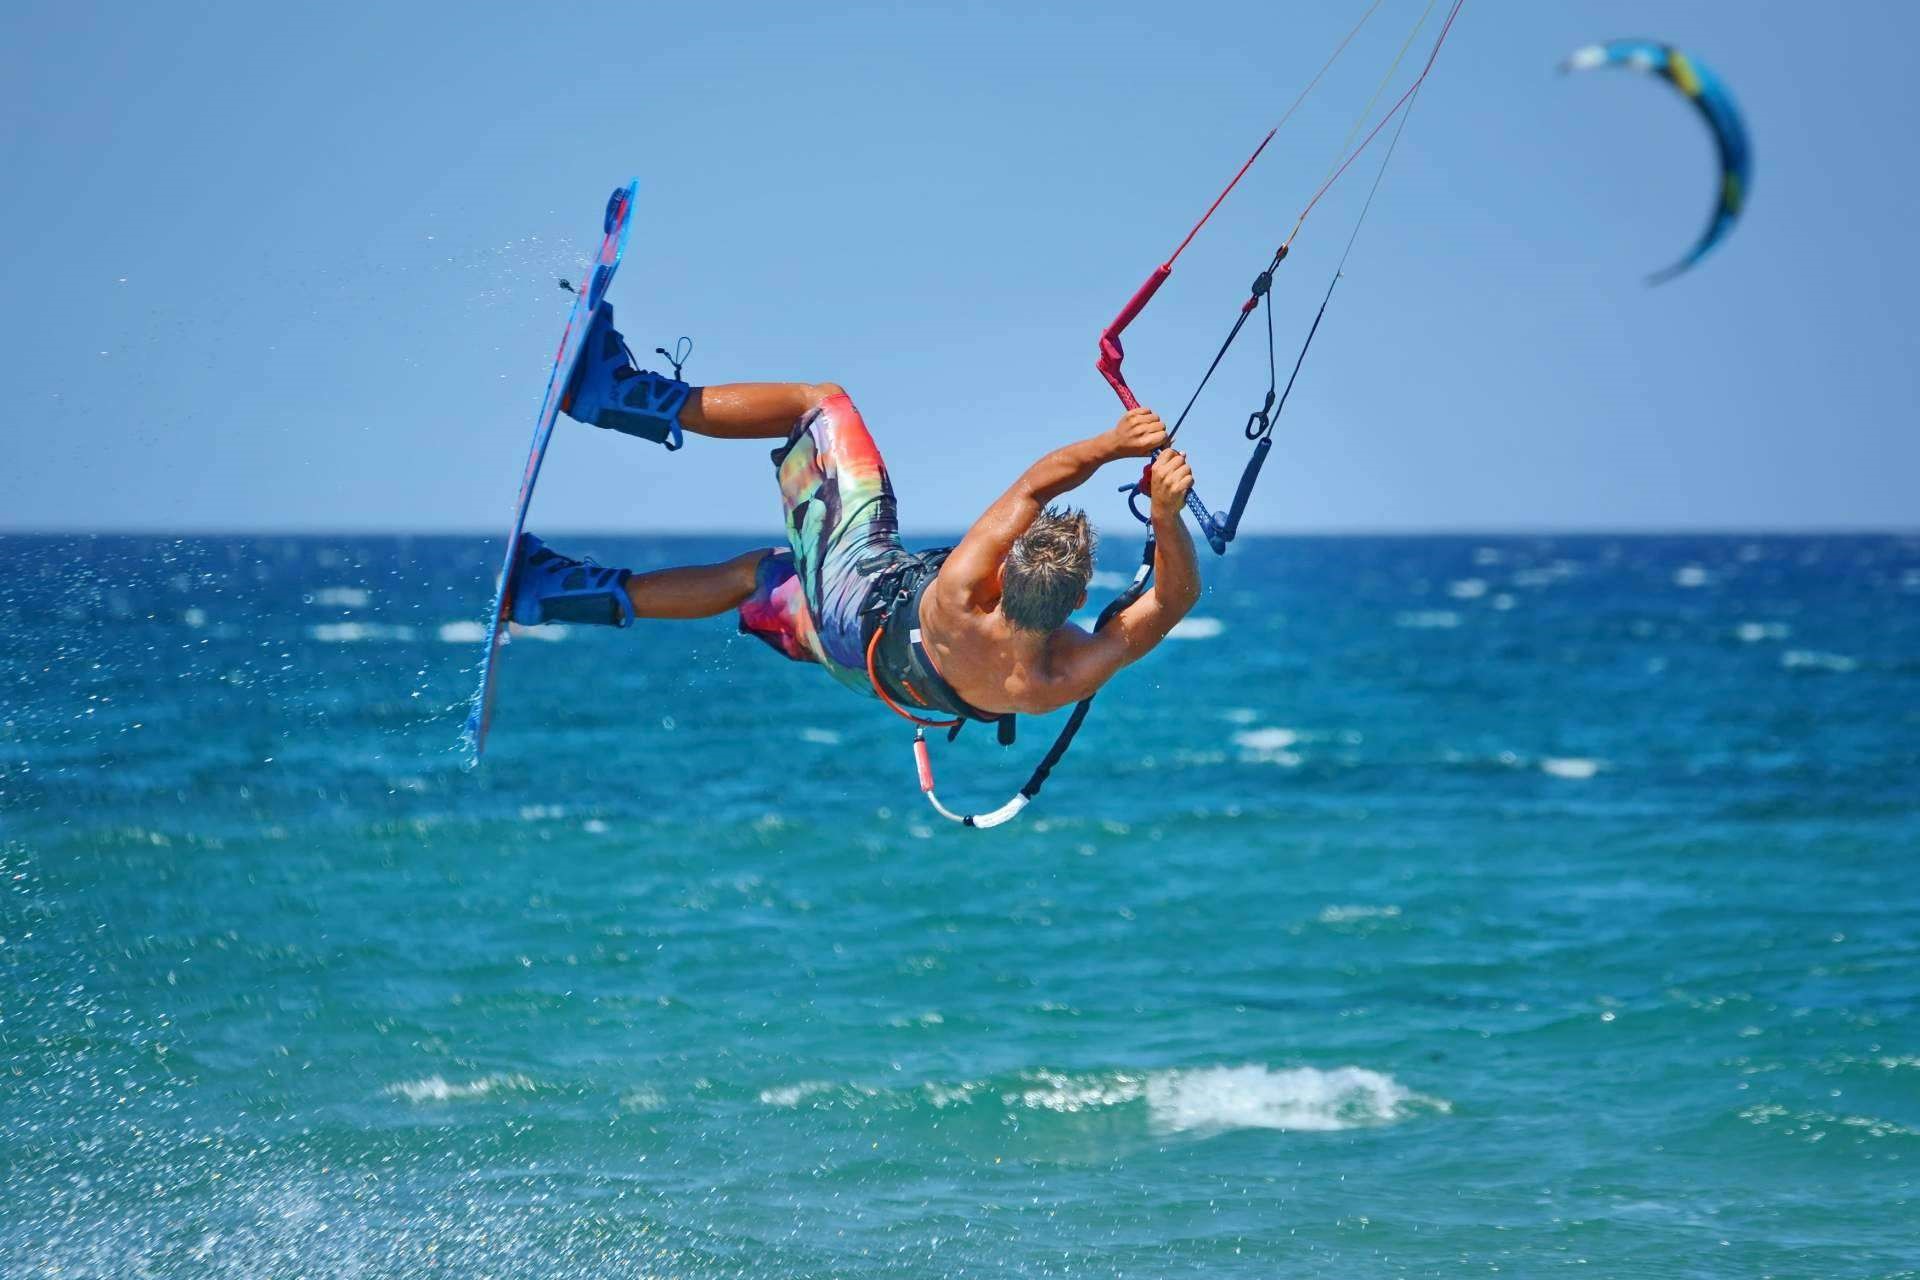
{"type": "Point", "coordinates": [1427, 907]}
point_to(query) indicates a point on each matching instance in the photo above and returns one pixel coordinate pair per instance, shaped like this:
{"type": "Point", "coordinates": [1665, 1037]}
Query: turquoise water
{"type": "Point", "coordinates": [1428, 907]}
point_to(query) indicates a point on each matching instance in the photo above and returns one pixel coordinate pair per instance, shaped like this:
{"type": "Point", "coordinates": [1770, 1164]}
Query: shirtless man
{"type": "Point", "coordinates": [979, 632]}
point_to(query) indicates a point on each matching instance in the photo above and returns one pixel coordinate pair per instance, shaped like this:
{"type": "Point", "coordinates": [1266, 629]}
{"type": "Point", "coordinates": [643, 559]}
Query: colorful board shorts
{"type": "Point", "coordinates": [842, 529]}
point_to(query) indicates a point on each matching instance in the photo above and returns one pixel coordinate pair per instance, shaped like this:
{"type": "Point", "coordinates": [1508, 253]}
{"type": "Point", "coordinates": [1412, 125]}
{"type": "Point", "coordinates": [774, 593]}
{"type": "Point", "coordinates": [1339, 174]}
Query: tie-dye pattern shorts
{"type": "Point", "coordinates": [842, 528]}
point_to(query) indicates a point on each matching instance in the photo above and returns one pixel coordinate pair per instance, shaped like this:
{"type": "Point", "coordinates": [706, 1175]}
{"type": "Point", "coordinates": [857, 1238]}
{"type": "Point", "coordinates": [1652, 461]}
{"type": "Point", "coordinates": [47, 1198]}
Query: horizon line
{"type": "Point", "coordinates": [747, 535]}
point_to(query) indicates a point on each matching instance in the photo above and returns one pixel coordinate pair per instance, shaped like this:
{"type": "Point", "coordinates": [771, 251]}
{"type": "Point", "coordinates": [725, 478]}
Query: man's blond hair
{"type": "Point", "coordinates": [1047, 570]}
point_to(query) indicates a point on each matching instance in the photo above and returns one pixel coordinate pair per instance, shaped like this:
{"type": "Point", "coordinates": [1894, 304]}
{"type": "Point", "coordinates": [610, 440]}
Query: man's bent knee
{"type": "Point", "coordinates": [827, 390]}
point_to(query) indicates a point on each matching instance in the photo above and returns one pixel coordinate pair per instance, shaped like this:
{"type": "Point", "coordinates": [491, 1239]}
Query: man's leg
{"type": "Point", "coordinates": [695, 591]}
{"type": "Point", "coordinates": [605, 390]}
{"type": "Point", "coordinates": [551, 587]}
{"type": "Point", "coordinates": [752, 410]}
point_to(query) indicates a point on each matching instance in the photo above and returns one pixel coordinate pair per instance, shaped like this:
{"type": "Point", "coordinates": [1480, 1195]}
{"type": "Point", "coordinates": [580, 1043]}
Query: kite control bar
{"type": "Point", "coordinates": [1220, 531]}
{"type": "Point", "coordinates": [1113, 356]}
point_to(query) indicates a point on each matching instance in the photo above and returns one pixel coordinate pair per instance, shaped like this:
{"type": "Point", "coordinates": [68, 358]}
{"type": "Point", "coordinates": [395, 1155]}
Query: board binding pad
{"type": "Point", "coordinates": [613, 243]}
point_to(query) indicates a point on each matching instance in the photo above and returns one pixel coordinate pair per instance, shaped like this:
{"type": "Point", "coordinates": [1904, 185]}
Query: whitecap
{"type": "Point", "coordinates": [951, 1095]}
{"type": "Point", "coordinates": [353, 632]}
{"type": "Point", "coordinates": [792, 1095]}
{"type": "Point", "coordinates": [439, 1089]}
{"type": "Point", "coordinates": [1467, 588]}
{"type": "Point", "coordinates": [1196, 629]}
{"type": "Point", "coordinates": [1266, 739]}
{"type": "Point", "coordinates": [1301, 1099]}
{"type": "Point", "coordinates": [1690, 575]}
{"type": "Point", "coordinates": [1069, 1095]}
{"type": "Point", "coordinates": [343, 597]}
{"type": "Point", "coordinates": [823, 737]}
{"type": "Point", "coordinates": [1813, 660]}
{"type": "Point", "coordinates": [1348, 914]}
{"type": "Point", "coordinates": [1427, 619]}
{"type": "Point", "coordinates": [1197, 1100]}
{"type": "Point", "coordinates": [463, 632]}
{"type": "Point", "coordinates": [1575, 767]}
{"type": "Point", "coordinates": [1755, 632]}
{"type": "Point", "coordinates": [195, 617]}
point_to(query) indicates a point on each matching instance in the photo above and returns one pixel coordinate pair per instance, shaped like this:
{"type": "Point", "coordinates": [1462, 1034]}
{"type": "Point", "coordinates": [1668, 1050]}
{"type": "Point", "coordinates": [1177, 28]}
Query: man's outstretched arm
{"type": "Point", "coordinates": [1176, 586]}
{"type": "Point", "coordinates": [973, 568]}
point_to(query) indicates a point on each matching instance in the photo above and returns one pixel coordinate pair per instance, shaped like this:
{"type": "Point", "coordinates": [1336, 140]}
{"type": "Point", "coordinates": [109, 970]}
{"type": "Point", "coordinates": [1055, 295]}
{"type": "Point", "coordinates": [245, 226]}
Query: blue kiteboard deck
{"type": "Point", "coordinates": [606, 262]}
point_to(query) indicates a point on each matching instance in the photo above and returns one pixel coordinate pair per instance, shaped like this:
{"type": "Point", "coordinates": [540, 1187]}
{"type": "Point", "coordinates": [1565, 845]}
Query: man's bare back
{"type": "Point", "coordinates": [1001, 667]}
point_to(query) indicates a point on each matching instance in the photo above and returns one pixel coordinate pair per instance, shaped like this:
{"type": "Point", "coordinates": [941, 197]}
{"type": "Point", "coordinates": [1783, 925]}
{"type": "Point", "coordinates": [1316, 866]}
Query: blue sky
{"type": "Point", "coordinates": [293, 268]}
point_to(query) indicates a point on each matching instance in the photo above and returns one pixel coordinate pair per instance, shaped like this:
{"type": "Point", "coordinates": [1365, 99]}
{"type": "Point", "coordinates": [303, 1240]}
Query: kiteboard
{"type": "Point", "coordinates": [606, 262]}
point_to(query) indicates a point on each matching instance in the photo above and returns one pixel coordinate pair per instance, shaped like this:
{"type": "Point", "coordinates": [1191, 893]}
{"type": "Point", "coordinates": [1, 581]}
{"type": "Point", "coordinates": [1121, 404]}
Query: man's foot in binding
{"type": "Point", "coordinates": [550, 587]}
{"type": "Point", "coordinates": [604, 389]}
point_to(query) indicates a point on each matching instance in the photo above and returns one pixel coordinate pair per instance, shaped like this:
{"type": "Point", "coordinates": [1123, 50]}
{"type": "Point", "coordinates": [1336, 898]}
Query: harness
{"type": "Point", "coordinates": [898, 664]}
{"type": "Point", "coordinates": [903, 671]}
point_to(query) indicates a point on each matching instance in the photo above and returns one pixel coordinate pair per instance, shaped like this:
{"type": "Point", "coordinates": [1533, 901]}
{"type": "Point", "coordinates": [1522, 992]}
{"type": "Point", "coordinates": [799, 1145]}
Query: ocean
{"type": "Point", "coordinates": [1427, 906]}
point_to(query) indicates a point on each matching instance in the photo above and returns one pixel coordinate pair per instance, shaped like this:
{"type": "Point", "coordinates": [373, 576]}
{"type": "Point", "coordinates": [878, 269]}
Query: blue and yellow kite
{"type": "Point", "coordinates": [1715, 105]}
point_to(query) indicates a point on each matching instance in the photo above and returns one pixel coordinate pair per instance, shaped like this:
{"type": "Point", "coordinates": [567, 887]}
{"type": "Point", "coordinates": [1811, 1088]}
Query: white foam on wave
{"type": "Point", "coordinates": [1065, 1094]}
{"type": "Point", "coordinates": [1815, 1125]}
{"type": "Point", "coordinates": [1196, 1100]}
{"type": "Point", "coordinates": [1427, 619]}
{"type": "Point", "coordinates": [1755, 632]}
{"type": "Point", "coordinates": [1577, 768]}
{"type": "Point", "coordinates": [343, 597]}
{"type": "Point", "coordinates": [1271, 739]}
{"type": "Point", "coordinates": [1268, 746]}
{"type": "Point", "coordinates": [792, 1095]}
{"type": "Point", "coordinates": [464, 632]}
{"type": "Point", "coordinates": [1196, 629]}
{"type": "Point", "coordinates": [1691, 575]}
{"type": "Point", "coordinates": [1813, 660]}
{"type": "Point", "coordinates": [355, 632]}
{"type": "Point", "coordinates": [1348, 914]}
{"type": "Point", "coordinates": [1467, 588]}
{"type": "Point", "coordinates": [1300, 1099]}
{"type": "Point", "coordinates": [438, 1089]}
{"type": "Point", "coordinates": [823, 737]}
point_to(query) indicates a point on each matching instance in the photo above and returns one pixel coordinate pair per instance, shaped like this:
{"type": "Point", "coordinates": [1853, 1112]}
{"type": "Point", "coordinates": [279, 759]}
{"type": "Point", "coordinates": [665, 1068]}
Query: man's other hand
{"type": "Point", "coordinates": [1172, 481]}
{"type": "Point", "coordinates": [1138, 433]}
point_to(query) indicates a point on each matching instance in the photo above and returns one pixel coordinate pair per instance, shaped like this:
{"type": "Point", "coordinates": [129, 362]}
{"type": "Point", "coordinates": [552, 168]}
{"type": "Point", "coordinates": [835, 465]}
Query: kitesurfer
{"type": "Point", "coordinates": [980, 631]}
